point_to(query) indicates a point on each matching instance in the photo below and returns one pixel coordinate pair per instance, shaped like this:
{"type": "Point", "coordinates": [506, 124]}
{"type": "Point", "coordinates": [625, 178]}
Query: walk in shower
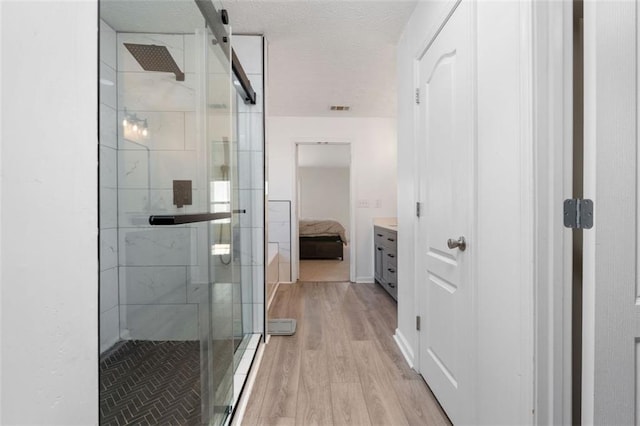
{"type": "Point", "coordinates": [181, 288]}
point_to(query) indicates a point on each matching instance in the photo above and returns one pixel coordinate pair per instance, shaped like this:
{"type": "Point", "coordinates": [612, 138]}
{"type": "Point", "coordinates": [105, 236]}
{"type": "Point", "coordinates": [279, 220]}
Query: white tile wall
{"type": "Point", "coordinates": [160, 322]}
{"type": "Point", "coordinates": [108, 249]}
{"type": "Point", "coordinates": [133, 169]}
{"type": "Point", "coordinates": [245, 171]}
{"type": "Point", "coordinates": [109, 328]}
{"type": "Point", "coordinates": [108, 290]}
{"type": "Point", "coordinates": [279, 231]}
{"type": "Point", "coordinates": [257, 170]}
{"type": "Point", "coordinates": [247, 287]}
{"type": "Point", "coordinates": [109, 308]}
{"type": "Point", "coordinates": [107, 45]}
{"type": "Point", "coordinates": [148, 91]}
{"type": "Point", "coordinates": [108, 208]}
{"type": "Point", "coordinates": [167, 166]}
{"type": "Point", "coordinates": [145, 285]}
{"type": "Point", "coordinates": [258, 277]}
{"type": "Point", "coordinates": [108, 126]}
{"type": "Point", "coordinates": [155, 246]}
{"type": "Point", "coordinates": [160, 282]}
{"type": "Point", "coordinates": [109, 88]}
{"type": "Point", "coordinates": [108, 167]}
{"type": "Point", "coordinates": [278, 212]}
{"type": "Point", "coordinates": [250, 131]}
{"type": "Point", "coordinates": [190, 131]}
{"type": "Point", "coordinates": [166, 131]}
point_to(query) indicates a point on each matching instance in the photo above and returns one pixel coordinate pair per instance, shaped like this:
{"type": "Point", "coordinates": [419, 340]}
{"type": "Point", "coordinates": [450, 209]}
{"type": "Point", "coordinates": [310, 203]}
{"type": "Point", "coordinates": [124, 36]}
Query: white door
{"type": "Point", "coordinates": [611, 305]}
{"type": "Point", "coordinates": [446, 143]}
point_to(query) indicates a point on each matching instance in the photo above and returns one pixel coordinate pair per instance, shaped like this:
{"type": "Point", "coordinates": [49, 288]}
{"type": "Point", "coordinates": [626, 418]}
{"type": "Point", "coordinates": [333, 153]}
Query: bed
{"type": "Point", "coordinates": [321, 239]}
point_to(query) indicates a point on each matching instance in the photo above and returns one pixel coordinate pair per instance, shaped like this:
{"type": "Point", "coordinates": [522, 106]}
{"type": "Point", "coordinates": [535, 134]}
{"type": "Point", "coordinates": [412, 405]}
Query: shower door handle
{"type": "Point", "coordinates": [181, 219]}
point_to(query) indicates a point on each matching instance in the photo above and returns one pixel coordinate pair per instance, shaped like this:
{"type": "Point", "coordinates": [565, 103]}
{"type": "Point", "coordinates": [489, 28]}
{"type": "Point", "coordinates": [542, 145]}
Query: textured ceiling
{"type": "Point", "coordinates": [324, 53]}
{"type": "Point", "coordinates": [321, 53]}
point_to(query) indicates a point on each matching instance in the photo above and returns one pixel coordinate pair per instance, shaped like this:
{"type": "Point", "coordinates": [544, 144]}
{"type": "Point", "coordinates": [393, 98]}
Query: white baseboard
{"type": "Point", "coordinates": [248, 387]}
{"type": "Point", "coordinates": [404, 346]}
{"type": "Point", "coordinates": [364, 280]}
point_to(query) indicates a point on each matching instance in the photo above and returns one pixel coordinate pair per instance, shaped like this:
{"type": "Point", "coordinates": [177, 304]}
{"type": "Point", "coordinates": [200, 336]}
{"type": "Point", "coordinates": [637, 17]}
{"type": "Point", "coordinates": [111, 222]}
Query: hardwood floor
{"type": "Point", "coordinates": [342, 367]}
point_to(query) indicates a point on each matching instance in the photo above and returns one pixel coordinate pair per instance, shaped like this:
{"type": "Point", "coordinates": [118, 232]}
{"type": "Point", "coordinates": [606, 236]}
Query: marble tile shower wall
{"type": "Point", "coordinates": [279, 230]}
{"type": "Point", "coordinates": [250, 137]}
{"type": "Point", "coordinates": [161, 270]}
{"type": "Point", "coordinates": [109, 309]}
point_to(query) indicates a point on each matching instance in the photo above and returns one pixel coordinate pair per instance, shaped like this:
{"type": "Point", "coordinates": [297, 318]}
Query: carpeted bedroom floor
{"type": "Point", "coordinates": [325, 270]}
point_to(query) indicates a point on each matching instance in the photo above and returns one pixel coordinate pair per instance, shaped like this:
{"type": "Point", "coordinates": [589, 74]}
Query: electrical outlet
{"type": "Point", "coordinates": [363, 204]}
{"type": "Point", "coordinates": [378, 204]}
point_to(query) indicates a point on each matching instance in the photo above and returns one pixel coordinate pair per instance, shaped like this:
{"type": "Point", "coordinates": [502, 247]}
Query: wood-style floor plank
{"type": "Point", "coordinates": [419, 404]}
{"type": "Point", "coordinates": [276, 421]}
{"type": "Point", "coordinates": [282, 389]}
{"type": "Point", "coordinates": [382, 403]}
{"type": "Point", "coordinates": [342, 366]}
{"type": "Point", "coordinates": [348, 404]}
{"type": "Point", "coordinates": [313, 324]}
{"type": "Point", "coordinates": [314, 394]}
{"type": "Point", "coordinates": [252, 413]}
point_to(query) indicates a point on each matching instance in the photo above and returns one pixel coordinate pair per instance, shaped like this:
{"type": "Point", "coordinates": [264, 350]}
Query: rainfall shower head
{"type": "Point", "coordinates": [155, 58]}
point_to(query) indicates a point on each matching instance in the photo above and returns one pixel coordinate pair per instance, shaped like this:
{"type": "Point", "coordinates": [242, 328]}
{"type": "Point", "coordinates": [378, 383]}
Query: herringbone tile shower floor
{"type": "Point", "coordinates": [151, 383]}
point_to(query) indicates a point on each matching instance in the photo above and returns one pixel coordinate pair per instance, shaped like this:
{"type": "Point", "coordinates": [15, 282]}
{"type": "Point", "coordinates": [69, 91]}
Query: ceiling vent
{"type": "Point", "coordinates": [340, 108]}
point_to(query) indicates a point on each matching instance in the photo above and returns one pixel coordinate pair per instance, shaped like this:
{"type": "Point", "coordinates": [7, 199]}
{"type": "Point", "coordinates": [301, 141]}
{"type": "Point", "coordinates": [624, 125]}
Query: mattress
{"type": "Point", "coordinates": [322, 228]}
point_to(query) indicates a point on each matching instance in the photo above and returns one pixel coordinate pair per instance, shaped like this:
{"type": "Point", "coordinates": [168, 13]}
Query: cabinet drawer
{"type": "Point", "coordinates": [385, 238]}
{"type": "Point", "coordinates": [389, 273]}
{"type": "Point", "coordinates": [390, 257]}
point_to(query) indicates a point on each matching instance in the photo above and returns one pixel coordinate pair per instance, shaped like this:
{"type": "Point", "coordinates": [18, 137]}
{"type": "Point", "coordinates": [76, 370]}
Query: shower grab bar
{"type": "Point", "coordinates": [180, 219]}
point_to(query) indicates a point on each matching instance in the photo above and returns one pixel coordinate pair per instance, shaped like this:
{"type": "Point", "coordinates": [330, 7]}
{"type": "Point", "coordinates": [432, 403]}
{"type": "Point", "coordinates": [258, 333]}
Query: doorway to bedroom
{"type": "Point", "coordinates": [323, 190]}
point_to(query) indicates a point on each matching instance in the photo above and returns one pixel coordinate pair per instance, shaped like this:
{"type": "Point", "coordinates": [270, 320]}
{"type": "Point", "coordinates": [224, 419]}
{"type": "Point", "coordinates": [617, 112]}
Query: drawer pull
{"type": "Point", "coordinates": [390, 239]}
{"type": "Point", "coordinates": [379, 235]}
{"type": "Point", "coordinates": [391, 285]}
{"type": "Point", "coordinates": [390, 255]}
{"type": "Point", "coordinates": [391, 270]}
{"type": "Point", "coordinates": [379, 248]}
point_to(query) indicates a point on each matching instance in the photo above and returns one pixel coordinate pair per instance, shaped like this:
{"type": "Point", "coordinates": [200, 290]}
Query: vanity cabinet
{"type": "Point", "coordinates": [385, 252]}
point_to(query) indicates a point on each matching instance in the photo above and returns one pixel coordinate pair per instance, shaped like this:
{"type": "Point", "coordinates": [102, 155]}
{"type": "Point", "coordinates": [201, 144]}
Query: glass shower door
{"type": "Point", "coordinates": [167, 246]}
{"type": "Point", "coordinates": [217, 132]}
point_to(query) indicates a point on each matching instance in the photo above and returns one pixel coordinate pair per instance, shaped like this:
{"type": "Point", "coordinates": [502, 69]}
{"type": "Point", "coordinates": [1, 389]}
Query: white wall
{"type": "Point", "coordinates": [324, 194]}
{"type": "Point", "coordinates": [49, 226]}
{"type": "Point", "coordinates": [373, 162]}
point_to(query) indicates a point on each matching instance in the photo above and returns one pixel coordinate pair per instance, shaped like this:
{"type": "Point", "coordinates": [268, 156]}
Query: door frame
{"type": "Point", "coordinates": [553, 183]}
{"type": "Point", "coordinates": [546, 86]}
{"type": "Point", "coordinates": [295, 206]}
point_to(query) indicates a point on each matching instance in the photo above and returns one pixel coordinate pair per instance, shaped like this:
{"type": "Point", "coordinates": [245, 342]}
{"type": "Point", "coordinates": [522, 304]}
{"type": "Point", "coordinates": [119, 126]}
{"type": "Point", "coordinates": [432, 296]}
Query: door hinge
{"type": "Point", "coordinates": [578, 214]}
{"type": "Point", "coordinates": [417, 96]}
{"type": "Point", "coordinates": [418, 209]}
{"type": "Point", "coordinates": [418, 322]}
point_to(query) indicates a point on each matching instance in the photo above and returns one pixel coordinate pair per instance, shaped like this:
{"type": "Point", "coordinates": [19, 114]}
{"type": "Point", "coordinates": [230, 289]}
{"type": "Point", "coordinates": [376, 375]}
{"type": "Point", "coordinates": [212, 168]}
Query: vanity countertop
{"type": "Point", "coordinates": [388, 223]}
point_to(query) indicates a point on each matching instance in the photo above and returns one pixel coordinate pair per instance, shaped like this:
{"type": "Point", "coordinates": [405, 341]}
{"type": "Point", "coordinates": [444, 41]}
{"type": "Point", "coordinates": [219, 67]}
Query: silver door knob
{"type": "Point", "coordinates": [460, 244]}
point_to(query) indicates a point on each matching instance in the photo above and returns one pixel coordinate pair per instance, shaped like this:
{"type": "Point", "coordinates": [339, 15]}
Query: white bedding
{"type": "Point", "coordinates": [322, 228]}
